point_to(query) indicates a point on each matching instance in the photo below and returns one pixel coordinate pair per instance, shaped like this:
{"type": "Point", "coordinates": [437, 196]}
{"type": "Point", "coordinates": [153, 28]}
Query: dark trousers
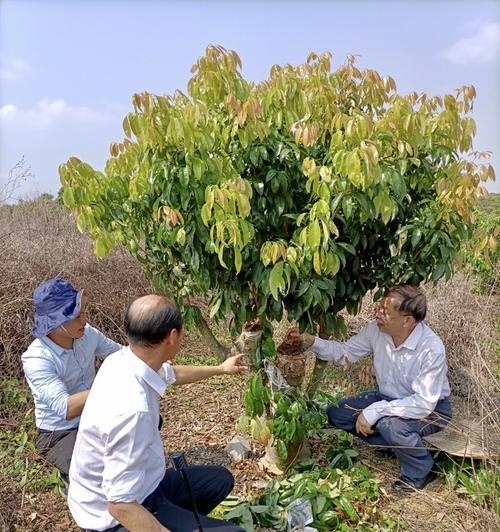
{"type": "Point", "coordinates": [403, 435]}
{"type": "Point", "coordinates": [57, 447]}
{"type": "Point", "coordinates": [171, 505]}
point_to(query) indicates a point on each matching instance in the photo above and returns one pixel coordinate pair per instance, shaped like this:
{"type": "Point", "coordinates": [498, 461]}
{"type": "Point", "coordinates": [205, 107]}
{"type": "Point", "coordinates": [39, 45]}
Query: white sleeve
{"type": "Point", "coordinates": [349, 351]}
{"type": "Point", "coordinates": [126, 450]}
{"type": "Point", "coordinates": [427, 386]}
{"type": "Point", "coordinates": [167, 373]}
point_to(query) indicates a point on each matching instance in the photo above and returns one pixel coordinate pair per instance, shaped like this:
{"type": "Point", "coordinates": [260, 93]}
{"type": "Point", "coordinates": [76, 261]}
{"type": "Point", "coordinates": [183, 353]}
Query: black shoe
{"type": "Point", "coordinates": [384, 453]}
{"type": "Point", "coordinates": [405, 485]}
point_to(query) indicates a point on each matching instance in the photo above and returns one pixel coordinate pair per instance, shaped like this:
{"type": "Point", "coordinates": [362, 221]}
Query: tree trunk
{"type": "Point", "coordinates": [298, 451]}
{"type": "Point", "coordinates": [291, 361]}
{"type": "Point", "coordinates": [319, 365]}
{"type": "Point", "coordinates": [220, 351]}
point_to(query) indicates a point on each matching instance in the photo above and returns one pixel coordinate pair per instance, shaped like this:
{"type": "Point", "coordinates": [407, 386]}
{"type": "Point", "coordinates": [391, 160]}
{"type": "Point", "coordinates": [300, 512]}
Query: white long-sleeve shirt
{"type": "Point", "coordinates": [414, 373]}
{"type": "Point", "coordinates": [118, 454]}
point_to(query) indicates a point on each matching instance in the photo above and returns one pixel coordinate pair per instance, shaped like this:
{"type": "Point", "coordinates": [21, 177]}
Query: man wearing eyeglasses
{"type": "Point", "coordinates": [413, 395]}
{"type": "Point", "coordinates": [59, 366]}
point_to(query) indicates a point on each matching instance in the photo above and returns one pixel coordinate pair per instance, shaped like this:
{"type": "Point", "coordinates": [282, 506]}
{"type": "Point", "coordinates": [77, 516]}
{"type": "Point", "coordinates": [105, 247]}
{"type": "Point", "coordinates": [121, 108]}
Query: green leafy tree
{"type": "Point", "coordinates": [482, 254]}
{"type": "Point", "coordinates": [299, 193]}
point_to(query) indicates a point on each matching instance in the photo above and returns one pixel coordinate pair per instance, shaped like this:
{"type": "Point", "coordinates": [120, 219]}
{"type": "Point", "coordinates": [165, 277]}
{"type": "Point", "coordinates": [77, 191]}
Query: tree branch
{"type": "Point", "coordinates": [219, 350]}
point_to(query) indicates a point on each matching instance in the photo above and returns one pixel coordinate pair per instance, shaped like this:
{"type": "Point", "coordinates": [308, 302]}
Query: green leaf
{"type": "Point", "coordinates": [100, 247]}
{"type": "Point", "coordinates": [350, 249]}
{"type": "Point", "coordinates": [332, 263]}
{"type": "Point", "coordinates": [348, 509]}
{"type": "Point", "coordinates": [300, 219]}
{"type": "Point", "coordinates": [276, 280]}
{"type": "Point", "coordinates": [205, 214]}
{"type": "Point", "coordinates": [438, 272]}
{"type": "Point", "coordinates": [68, 198]}
{"type": "Point", "coordinates": [254, 156]}
{"type": "Point", "coordinates": [81, 222]}
{"type": "Point", "coordinates": [320, 504]}
{"type": "Point", "coordinates": [331, 519]}
{"type": "Point", "coordinates": [215, 306]}
{"type": "Point", "coordinates": [198, 168]}
{"type": "Point", "coordinates": [314, 235]}
{"type": "Point", "coordinates": [237, 259]}
{"type": "Point", "coordinates": [415, 238]}
{"type": "Point", "coordinates": [181, 236]}
{"type": "Point", "coordinates": [282, 450]}
{"type": "Point", "coordinates": [317, 263]}
{"type": "Point", "coordinates": [243, 205]}
{"type": "Point", "coordinates": [384, 206]}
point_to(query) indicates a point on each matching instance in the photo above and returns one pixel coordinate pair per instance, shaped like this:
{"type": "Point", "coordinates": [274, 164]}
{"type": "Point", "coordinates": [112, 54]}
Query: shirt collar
{"type": "Point", "coordinates": [412, 341]}
{"type": "Point", "coordinates": [146, 373]}
{"type": "Point", "coordinates": [56, 348]}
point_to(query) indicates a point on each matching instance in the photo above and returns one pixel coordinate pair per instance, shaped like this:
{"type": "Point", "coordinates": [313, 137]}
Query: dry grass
{"type": "Point", "coordinates": [39, 240]}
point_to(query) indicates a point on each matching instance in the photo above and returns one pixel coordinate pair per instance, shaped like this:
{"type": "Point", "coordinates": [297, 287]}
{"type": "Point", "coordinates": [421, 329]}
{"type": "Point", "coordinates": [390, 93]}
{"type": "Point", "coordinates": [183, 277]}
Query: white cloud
{"type": "Point", "coordinates": [482, 47]}
{"type": "Point", "coordinates": [14, 69]}
{"type": "Point", "coordinates": [47, 113]}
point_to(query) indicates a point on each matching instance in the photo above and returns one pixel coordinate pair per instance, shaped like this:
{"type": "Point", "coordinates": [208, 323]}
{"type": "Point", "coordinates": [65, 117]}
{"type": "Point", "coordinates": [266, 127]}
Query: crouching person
{"type": "Point", "coordinates": [118, 475]}
{"type": "Point", "coordinates": [59, 366]}
{"type": "Point", "coordinates": [413, 395]}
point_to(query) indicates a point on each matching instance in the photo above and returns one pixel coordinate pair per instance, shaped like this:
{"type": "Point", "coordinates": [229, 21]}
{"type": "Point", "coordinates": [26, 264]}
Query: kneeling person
{"type": "Point", "coordinates": [413, 393]}
{"type": "Point", "coordinates": [59, 366]}
{"type": "Point", "coordinates": [118, 479]}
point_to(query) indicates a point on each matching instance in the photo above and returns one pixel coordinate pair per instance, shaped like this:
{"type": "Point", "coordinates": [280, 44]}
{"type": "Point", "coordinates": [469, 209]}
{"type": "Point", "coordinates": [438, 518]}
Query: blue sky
{"type": "Point", "coordinates": [68, 69]}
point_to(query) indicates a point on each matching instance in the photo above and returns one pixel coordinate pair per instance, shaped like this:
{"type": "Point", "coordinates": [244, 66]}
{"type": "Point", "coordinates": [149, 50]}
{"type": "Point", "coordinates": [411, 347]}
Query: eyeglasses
{"type": "Point", "coordinates": [381, 308]}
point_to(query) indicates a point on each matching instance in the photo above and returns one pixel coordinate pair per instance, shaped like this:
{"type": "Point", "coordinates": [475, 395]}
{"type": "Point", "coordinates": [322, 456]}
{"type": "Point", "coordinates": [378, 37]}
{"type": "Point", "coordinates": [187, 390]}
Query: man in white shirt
{"type": "Point", "coordinates": [118, 479]}
{"type": "Point", "coordinates": [59, 366]}
{"type": "Point", "coordinates": [413, 393]}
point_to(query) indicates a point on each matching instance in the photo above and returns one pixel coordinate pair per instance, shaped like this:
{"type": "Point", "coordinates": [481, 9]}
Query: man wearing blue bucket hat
{"type": "Point", "coordinates": [59, 366]}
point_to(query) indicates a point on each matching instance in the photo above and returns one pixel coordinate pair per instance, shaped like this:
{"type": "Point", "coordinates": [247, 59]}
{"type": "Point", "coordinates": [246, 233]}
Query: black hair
{"type": "Point", "coordinates": [150, 326]}
{"type": "Point", "coordinates": [412, 300]}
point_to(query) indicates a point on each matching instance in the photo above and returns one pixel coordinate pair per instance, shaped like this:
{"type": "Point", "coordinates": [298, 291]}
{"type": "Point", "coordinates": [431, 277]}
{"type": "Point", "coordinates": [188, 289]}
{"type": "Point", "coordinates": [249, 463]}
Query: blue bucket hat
{"type": "Point", "coordinates": [56, 303]}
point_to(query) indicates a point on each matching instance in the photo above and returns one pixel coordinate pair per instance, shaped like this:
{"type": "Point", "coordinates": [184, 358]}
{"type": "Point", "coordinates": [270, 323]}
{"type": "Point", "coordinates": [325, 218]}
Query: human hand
{"type": "Point", "coordinates": [233, 365]}
{"type": "Point", "coordinates": [363, 427]}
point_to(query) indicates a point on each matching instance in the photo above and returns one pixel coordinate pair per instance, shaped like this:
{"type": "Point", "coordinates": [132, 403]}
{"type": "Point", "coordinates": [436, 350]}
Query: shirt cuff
{"type": "Point", "coordinates": [321, 348]}
{"type": "Point", "coordinates": [167, 373]}
{"type": "Point", "coordinates": [374, 412]}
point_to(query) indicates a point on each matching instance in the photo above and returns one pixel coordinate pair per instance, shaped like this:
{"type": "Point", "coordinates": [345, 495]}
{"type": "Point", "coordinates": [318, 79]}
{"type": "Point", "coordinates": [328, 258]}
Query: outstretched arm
{"type": "Point", "coordinates": [351, 350]}
{"type": "Point", "coordinates": [190, 374]}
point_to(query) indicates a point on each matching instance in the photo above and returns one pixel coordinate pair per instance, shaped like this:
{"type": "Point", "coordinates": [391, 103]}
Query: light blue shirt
{"type": "Point", "coordinates": [54, 373]}
{"type": "Point", "coordinates": [414, 373]}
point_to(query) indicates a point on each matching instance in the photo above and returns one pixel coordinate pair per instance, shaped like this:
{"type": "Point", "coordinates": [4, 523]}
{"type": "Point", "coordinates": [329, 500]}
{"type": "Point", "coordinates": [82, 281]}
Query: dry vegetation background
{"type": "Point", "coordinates": [39, 240]}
